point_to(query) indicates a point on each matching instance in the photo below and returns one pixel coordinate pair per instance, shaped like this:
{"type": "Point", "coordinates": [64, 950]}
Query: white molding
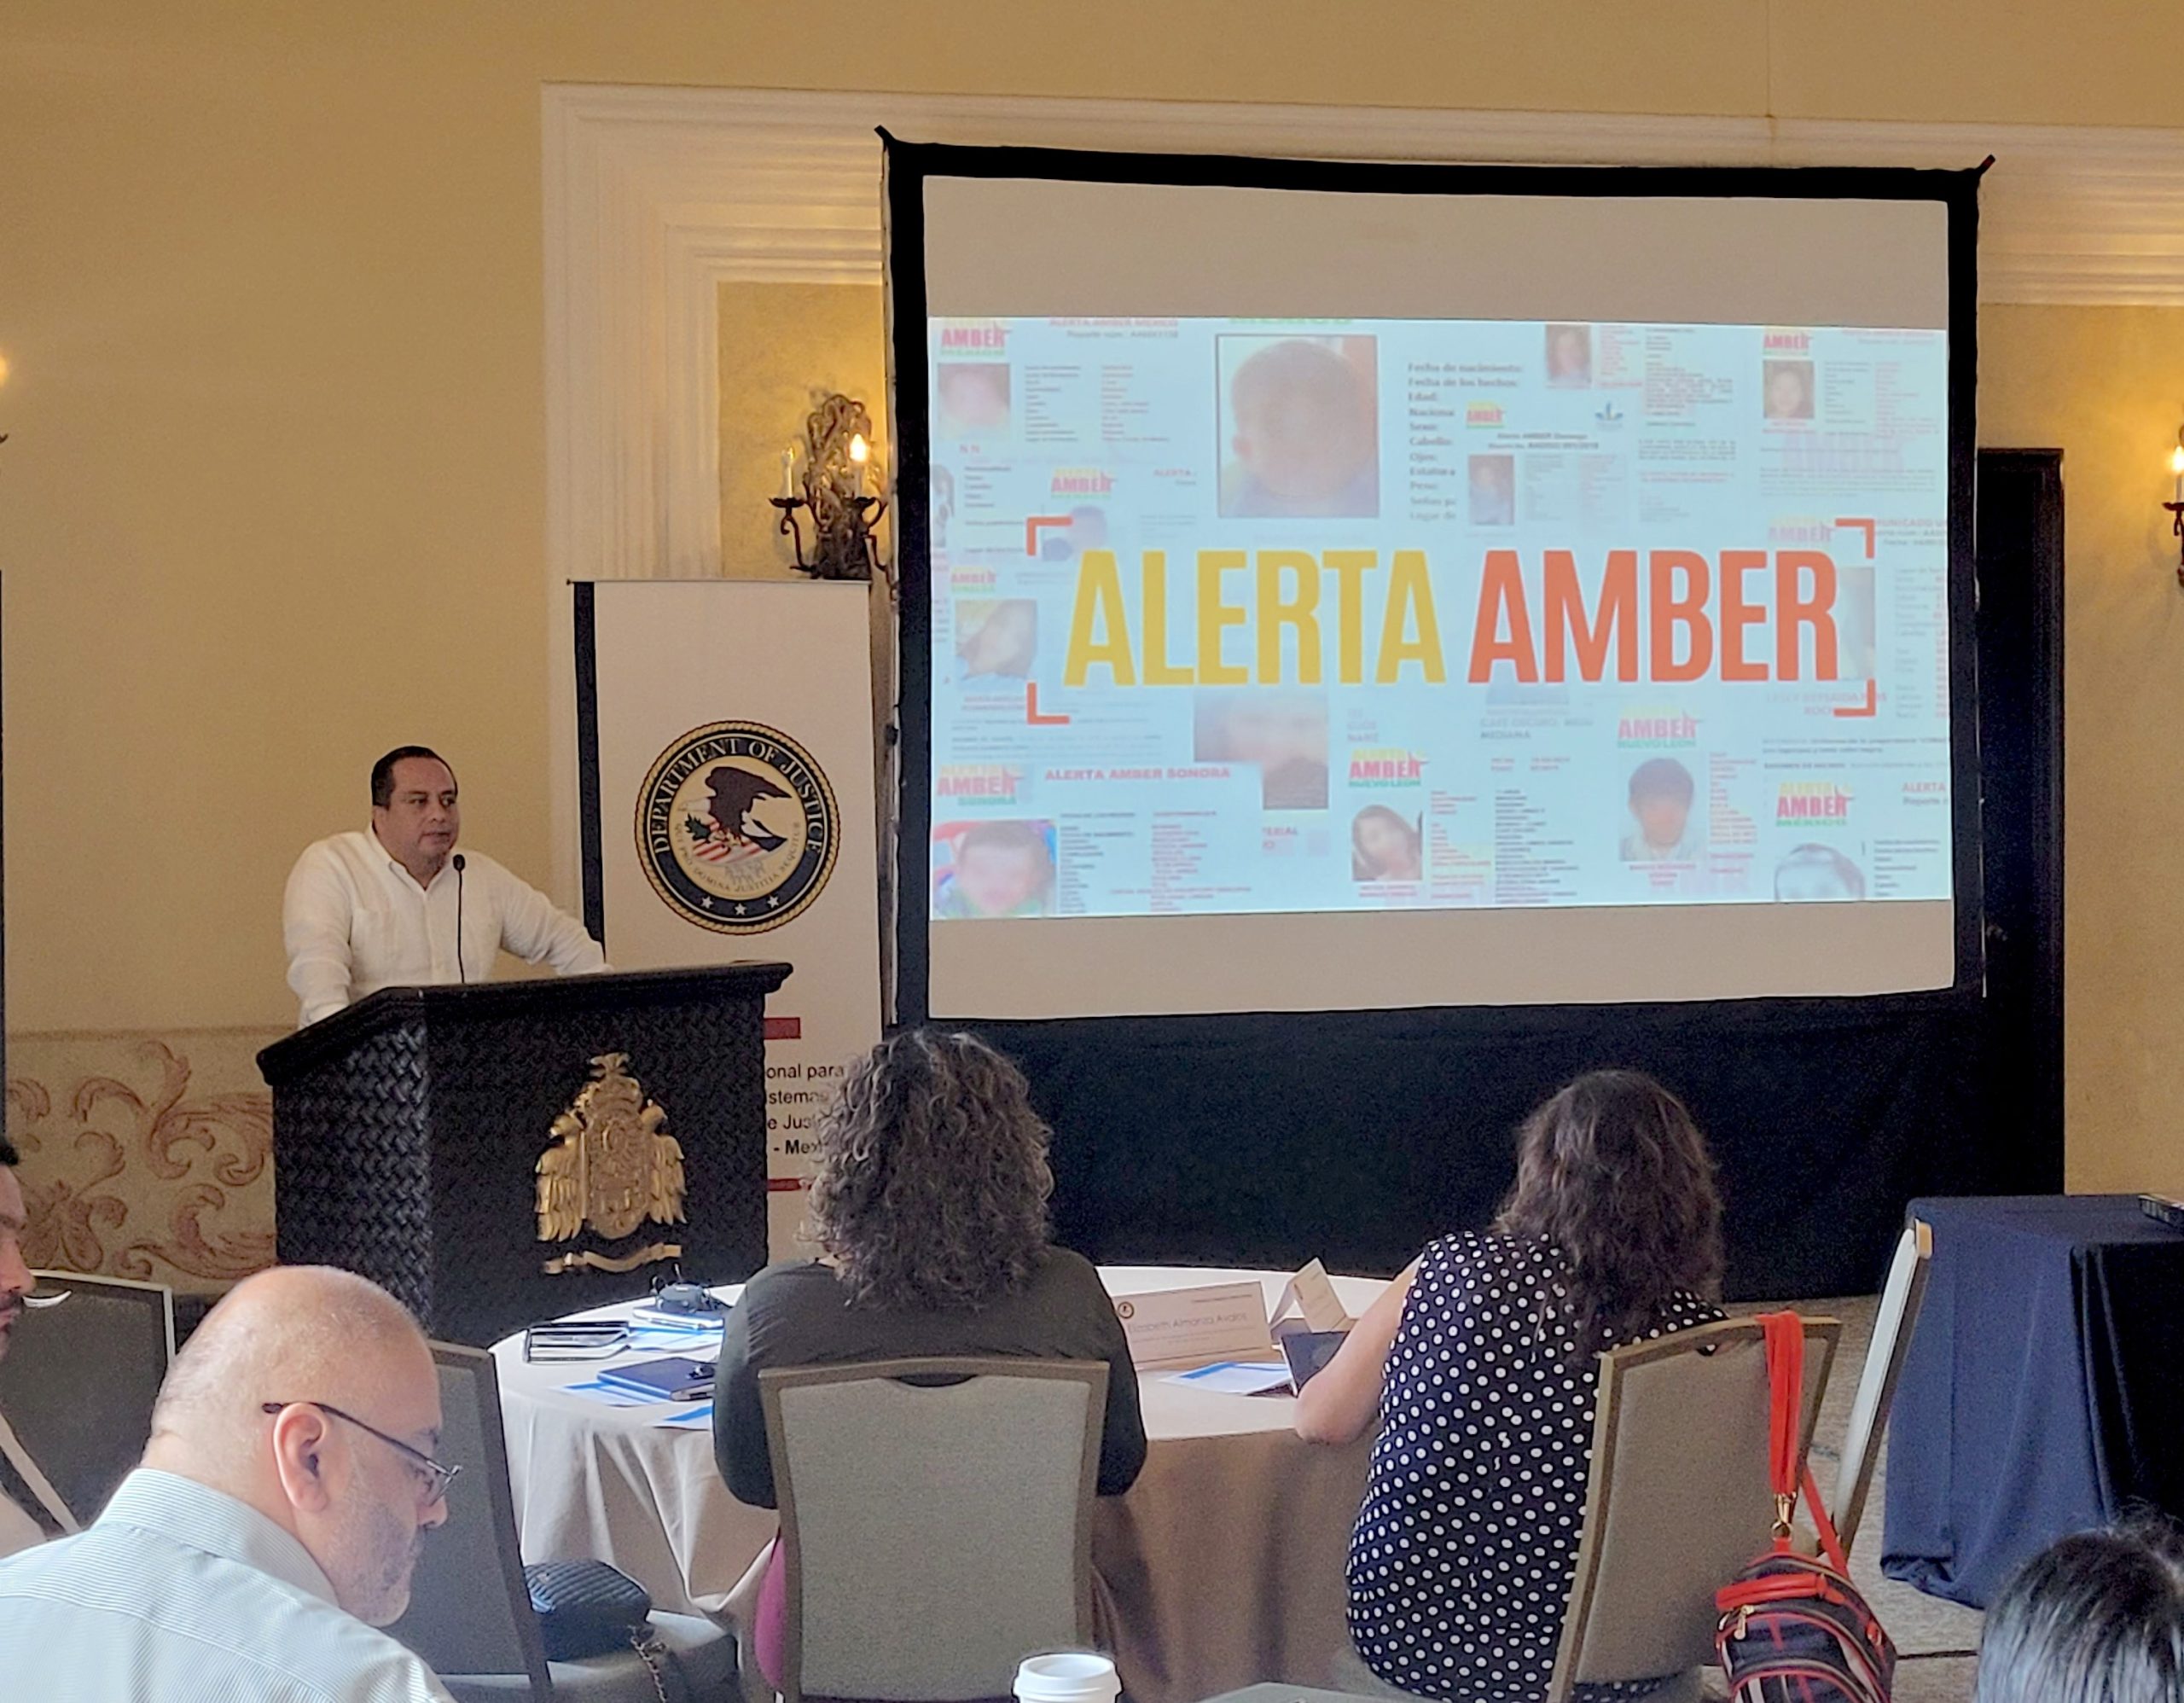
{"type": "Point", "coordinates": [653, 197]}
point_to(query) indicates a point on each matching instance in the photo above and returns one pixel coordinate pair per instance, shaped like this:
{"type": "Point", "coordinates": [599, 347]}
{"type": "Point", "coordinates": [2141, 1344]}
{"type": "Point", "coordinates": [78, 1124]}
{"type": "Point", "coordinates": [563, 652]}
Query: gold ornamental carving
{"type": "Point", "coordinates": [612, 1166]}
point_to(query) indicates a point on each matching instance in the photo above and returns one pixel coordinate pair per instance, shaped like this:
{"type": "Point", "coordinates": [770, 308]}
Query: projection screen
{"type": "Point", "coordinates": [1336, 588]}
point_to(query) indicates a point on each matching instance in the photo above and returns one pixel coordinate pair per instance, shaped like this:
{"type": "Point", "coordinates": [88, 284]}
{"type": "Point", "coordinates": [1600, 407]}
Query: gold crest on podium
{"type": "Point", "coordinates": [611, 1166]}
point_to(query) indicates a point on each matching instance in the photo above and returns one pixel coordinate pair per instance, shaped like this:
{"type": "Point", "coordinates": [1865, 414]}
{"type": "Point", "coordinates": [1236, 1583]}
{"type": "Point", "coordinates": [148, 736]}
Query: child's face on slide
{"type": "Point", "coordinates": [997, 879]}
{"type": "Point", "coordinates": [1003, 645]}
{"type": "Point", "coordinates": [1661, 819]}
{"type": "Point", "coordinates": [1275, 731]}
{"type": "Point", "coordinates": [1811, 881]}
{"type": "Point", "coordinates": [975, 398]}
{"type": "Point", "coordinates": [1305, 437]}
{"type": "Point", "coordinates": [1786, 393]}
{"type": "Point", "coordinates": [1386, 846]}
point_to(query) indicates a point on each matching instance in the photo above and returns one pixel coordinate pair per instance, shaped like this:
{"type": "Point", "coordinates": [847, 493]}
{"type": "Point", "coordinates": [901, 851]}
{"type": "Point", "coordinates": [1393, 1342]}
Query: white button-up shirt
{"type": "Point", "coordinates": [355, 921]}
{"type": "Point", "coordinates": [179, 1594]}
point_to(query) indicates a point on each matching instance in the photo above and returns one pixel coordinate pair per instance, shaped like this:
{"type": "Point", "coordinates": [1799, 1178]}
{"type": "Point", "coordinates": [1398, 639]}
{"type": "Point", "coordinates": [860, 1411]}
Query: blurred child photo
{"type": "Point", "coordinates": [994, 869]}
{"type": "Point", "coordinates": [1283, 734]}
{"type": "Point", "coordinates": [1299, 426]}
{"type": "Point", "coordinates": [996, 638]}
{"type": "Point", "coordinates": [1857, 638]}
{"type": "Point", "coordinates": [1493, 489]}
{"type": "Point", "coordinates": [1570, 356]}
{"type": "Point", "coordinates": [944, 504]}
{"type": "Point", "coordinates": [1661, 795]}
{"type": "Point", "coordinates": [1385, 847]}
{"type": "Point", "coordinates": [973, 398]}
{"type": "Point", "coordinates": [1817, 872]}
{"type": "Point", "coordinates": [1785, 390]}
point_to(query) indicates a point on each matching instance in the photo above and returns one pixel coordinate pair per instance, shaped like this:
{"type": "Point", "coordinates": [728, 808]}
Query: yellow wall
{"type": "Point", "coordinates": [2106, 386]}
{"type": "Point", "coordinates": [270, 284]}
{"type": "Point", "coordinates": [782, 347]}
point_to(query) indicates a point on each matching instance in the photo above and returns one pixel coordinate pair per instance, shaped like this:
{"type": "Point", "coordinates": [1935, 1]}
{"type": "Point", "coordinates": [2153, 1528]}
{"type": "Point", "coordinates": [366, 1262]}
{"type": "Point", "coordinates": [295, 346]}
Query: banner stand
{"type": "Point", "coordinates": [727, 811]}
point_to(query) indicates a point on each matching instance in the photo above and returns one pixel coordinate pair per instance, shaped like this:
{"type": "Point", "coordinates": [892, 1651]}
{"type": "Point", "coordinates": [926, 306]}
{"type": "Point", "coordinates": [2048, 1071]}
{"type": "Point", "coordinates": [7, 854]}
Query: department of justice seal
{"type": "Point", "coordinates": [737, 827]}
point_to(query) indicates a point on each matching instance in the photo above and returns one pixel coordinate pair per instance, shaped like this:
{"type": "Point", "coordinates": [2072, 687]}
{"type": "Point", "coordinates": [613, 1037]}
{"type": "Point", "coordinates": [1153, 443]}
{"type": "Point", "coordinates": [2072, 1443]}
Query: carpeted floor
{"type": "Point", "coordinates": [1938, 1641]}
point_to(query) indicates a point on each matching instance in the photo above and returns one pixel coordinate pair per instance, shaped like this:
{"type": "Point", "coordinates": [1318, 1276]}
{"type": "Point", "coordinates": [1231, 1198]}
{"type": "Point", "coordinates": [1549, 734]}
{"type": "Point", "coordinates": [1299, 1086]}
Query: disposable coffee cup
{"type": "Point", "coordinates": [1068, 1676]}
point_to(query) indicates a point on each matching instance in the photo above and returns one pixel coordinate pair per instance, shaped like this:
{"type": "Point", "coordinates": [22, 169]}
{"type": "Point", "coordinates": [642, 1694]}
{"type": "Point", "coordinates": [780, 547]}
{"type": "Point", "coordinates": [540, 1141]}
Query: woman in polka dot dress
{"type": "Point", "coordinates": [1480, 1364]}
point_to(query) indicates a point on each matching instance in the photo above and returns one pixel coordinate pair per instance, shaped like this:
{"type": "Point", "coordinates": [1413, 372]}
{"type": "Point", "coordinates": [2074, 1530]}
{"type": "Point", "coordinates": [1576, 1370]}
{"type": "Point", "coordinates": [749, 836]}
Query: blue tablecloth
{"type": "Point", "coordinates": [2044, 1392]}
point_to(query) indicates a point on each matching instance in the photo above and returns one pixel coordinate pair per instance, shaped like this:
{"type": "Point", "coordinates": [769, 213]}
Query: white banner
{"type": "Point", "coordinates": [724, 732]}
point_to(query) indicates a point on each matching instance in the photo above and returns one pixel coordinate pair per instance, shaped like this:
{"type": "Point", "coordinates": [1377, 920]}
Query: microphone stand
{"type": "Point", "coordinates": [460, 974]}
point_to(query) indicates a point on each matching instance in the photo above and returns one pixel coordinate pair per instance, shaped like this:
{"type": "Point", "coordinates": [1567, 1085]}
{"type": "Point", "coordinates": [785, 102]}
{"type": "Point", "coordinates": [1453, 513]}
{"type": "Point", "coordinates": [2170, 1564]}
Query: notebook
{"type": "Point", "coordinates": [671, 1380]}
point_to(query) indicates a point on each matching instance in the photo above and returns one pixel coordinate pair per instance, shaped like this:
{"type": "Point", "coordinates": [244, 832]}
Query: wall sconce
{"type": "Point", "coordinates": [836, 491]}
{"type": "Point", "coordinates": [2175, 508]}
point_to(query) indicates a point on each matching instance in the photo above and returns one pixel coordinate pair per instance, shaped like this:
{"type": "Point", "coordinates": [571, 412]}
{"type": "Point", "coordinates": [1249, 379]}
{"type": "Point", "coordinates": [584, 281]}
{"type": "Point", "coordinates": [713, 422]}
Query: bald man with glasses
{"type": "Point", "coordinates": [274, 1524]}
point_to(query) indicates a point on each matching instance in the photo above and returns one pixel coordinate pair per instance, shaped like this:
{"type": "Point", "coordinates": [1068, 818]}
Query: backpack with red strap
{"type": "Point", "coordinates": [1794, 1629]}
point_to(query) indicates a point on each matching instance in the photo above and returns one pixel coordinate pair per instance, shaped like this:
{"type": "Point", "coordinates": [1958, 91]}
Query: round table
{"type": "Point", "coordinates": [1222, 1566]}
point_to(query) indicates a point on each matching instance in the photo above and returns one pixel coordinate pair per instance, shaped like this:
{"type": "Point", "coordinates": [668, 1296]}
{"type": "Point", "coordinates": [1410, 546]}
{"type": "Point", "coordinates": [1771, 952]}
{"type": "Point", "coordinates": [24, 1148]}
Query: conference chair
{"type": "Point", "coordinates": [78, 1381]}
{"type": "Point", "coordinates": [470, 1615]}
{"type": "Point", "coordinates": [1895, 1320]}
{"type": "Point", "coordinates": [933, 1533]}
{"type": "Point", "coordinates": [1677, 1500]}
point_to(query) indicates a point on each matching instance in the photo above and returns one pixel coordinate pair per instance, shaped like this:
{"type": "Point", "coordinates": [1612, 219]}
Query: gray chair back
{"type": "Point", "coordinates": [78, 1381]}
{"type": "Point", "coordinates": [1894, 1321]}
{"type": "Point", "coordinates": [1677, 1500]}
{"type": "Point", "coordinates": [469, 1611]}
{"type": "Point", "coordinates": [933, 1533]}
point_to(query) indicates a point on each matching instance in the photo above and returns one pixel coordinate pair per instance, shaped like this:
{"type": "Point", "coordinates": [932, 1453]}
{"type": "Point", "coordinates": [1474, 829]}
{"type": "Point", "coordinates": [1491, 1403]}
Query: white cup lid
{"type": "Point", "coordinates": [1068, 1676]}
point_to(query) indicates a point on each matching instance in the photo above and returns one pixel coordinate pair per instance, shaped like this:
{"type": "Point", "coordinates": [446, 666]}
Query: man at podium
{"type": "Point", "coordinates": [394, 906]}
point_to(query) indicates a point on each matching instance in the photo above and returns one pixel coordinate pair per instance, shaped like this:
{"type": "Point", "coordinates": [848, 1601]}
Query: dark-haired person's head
{"type": "Point", "coordinates": [383, 771]}
{"type": "Point", "coordinates": [1613, 1171]}
{"type": "Point", "coordinates": [2097, 1618]}
{"type": "Point", "coordinates": [414, 811]}
{"type": "Point", "coordinates": [931, 1179]}
{"type": "Point", "coordinates": [1661, 792]}
{"type": "Point", "coordinates": [14, 1225]}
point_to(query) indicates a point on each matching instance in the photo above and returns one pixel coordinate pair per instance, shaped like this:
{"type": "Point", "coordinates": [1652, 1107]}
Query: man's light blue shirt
{"type": "Point", "coordinates": [179, 1593]}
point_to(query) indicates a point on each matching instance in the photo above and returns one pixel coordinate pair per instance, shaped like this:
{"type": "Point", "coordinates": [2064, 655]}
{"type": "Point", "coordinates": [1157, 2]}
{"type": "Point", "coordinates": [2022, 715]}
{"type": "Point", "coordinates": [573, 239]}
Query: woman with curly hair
{"type": "Point", "coordinates": [928, 1202]}
{"type": "Point", "coordinates": [1481, 1364]}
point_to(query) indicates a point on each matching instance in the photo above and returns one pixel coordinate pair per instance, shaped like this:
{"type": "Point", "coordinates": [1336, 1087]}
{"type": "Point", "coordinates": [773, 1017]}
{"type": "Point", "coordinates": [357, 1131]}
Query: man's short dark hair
{"type": "Point", "coordinates": [8, 1153]}
{"type": "Point", "coordinates": [1661, 777]}
{"type": "Point", "coordinates": [383, 770]}
{"type": "Point", "coordinates": [2098, 1618]}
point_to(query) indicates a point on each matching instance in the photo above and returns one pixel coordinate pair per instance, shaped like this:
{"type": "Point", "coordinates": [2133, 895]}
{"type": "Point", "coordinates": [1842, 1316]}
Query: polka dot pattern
{"type": "Point", "coordinates": [1464, 1549]}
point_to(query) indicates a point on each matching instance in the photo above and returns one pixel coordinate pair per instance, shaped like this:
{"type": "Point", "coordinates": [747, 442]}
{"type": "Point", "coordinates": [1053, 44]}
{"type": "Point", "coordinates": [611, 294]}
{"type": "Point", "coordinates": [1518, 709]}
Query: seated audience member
{"type": "Point", "coordinates": [929, 1201]}
{"type": "Point", "coordinates": [2098, 1618]}
{"type": "Point", "coordinates": [273, 1523]}
{"type": "Point", "coordinates": [28, 1508]}
{"type": "Point", "coordinates": [1480, 1362]}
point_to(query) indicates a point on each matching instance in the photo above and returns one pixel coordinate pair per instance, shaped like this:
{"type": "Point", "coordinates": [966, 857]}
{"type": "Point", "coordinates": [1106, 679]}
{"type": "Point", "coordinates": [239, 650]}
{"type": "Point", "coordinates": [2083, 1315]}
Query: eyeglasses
{"type": "Point", "coordinates": [437, 1478]}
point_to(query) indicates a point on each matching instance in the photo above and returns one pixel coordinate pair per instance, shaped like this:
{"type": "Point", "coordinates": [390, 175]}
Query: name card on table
{"type": "Point", "coordinates": [1311, 1293]}
{"type": "Point", "coordinates": [1195, 1326]}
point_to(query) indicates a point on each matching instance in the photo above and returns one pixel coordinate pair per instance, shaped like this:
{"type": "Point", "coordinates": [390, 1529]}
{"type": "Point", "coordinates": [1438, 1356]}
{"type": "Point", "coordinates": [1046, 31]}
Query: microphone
{"type": "Point", "coordinates": [461, 974]}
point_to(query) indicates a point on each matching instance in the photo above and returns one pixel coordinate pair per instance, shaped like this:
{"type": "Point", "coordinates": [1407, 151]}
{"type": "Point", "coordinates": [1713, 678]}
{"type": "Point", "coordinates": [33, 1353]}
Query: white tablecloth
{"type": "Point", "coordinates": [1224, 1565]}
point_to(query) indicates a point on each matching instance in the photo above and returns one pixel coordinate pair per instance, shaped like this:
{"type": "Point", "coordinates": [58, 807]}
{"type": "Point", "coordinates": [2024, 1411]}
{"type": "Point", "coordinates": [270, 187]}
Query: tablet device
{"type": "Point", "coordinates": [1306, 1352]}
{"type": "Point", "coordinates": [671, 1380]}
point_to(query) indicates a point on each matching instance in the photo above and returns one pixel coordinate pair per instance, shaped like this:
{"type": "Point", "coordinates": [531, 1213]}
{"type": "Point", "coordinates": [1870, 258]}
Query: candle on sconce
{"type": "Point", "coordinates": [861, 456]}
{"type": "Point", "coordinates": [2176, 467]}
{"type": "Point", "coordinates": [788, 473]}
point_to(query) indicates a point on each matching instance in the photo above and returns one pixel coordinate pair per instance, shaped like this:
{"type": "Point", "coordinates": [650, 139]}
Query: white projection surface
{"type": "Point", "coordinates": [1355, 600]}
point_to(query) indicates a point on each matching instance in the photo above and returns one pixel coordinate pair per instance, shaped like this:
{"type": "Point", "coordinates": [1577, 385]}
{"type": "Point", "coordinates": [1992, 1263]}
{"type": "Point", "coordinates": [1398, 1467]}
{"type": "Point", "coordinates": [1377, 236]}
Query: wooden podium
{"type": "Point", "coordinates": [502, 1152]}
